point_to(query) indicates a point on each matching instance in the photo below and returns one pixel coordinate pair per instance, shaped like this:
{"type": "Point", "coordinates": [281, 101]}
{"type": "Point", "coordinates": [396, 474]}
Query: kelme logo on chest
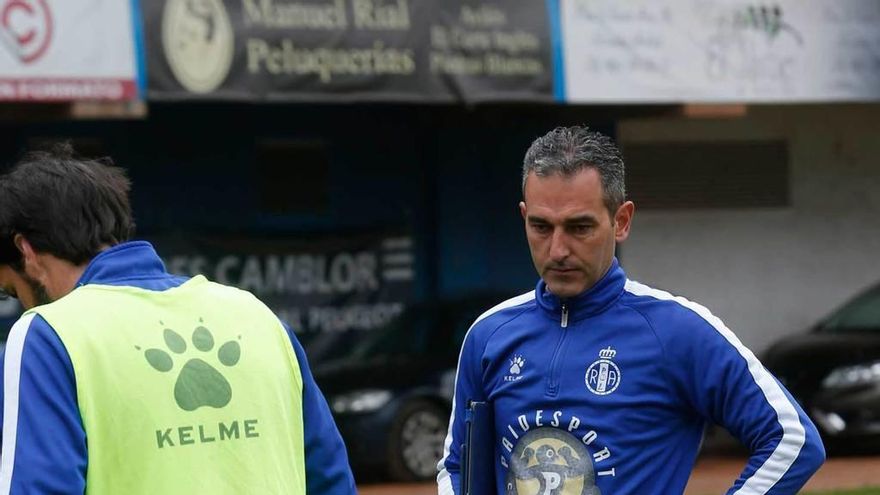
{"type": "Point", "coordinates": [517, 363]}
{"type": "Point", "coordinates": [603, 376]}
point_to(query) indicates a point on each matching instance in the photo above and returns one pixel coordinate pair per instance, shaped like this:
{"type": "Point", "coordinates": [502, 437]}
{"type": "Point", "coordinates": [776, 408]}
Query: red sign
{"type": "Point", "coordinates": [67, 89]}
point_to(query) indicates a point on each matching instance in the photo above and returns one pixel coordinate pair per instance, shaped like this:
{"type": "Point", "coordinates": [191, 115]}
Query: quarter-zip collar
{"type": "Point", "coordinates": [134, 260]}
{"type": "Point", "coordinates": [590, 302]}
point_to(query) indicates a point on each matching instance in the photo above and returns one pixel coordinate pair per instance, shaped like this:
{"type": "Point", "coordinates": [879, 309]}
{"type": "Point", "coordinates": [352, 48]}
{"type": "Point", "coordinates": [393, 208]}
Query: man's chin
{"type": "Point", "coordinates": [564, 290]}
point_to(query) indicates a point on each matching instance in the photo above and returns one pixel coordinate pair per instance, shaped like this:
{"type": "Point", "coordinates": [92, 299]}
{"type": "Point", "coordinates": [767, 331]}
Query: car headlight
{"type": "Point", "coordinates": [360, 401]}
{"type": "Point", "coordinates": [848, 376]}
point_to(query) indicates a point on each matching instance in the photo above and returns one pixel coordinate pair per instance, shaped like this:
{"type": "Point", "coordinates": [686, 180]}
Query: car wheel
{"type": "Point", "coordinates": [418, 433]}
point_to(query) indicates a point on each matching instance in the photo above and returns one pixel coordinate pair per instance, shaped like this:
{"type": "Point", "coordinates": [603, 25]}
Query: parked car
{"type": "Point", "coordinates": [391, 389]}
{"type": "Point", "coordinates": [833, 370]}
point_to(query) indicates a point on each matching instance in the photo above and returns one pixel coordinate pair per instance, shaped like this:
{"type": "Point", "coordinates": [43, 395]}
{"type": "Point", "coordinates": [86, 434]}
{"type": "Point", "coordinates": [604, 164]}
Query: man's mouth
{"type": "Point", "coordinates": [561, 269]}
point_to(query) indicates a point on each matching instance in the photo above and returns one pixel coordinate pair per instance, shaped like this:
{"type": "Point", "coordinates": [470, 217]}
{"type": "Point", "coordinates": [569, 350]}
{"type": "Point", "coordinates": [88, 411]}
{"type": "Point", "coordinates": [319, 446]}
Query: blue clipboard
{"type": "Point", "coordinates": [478, 451]}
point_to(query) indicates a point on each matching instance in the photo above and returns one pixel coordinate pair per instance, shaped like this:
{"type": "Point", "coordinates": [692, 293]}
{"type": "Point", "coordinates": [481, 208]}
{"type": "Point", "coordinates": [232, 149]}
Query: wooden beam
{"type": "Point", "coordinates": [714, 110]}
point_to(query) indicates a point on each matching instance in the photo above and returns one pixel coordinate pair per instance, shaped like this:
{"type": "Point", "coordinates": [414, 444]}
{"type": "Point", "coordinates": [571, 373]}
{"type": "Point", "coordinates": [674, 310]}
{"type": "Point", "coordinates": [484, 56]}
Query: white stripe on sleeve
{"type": "Point", "coordinates": [793, 432]}
{"type": "Point", "coordinates": [11, 375]}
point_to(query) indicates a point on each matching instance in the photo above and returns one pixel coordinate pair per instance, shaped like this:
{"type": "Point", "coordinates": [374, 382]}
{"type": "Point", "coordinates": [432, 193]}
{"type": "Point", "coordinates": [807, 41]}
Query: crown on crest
{"type": "Point", "coordinates": [607, 353]}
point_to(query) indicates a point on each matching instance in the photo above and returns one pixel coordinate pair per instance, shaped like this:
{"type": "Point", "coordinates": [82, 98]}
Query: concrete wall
{"type": "Point", "coordinates": [771, 272]}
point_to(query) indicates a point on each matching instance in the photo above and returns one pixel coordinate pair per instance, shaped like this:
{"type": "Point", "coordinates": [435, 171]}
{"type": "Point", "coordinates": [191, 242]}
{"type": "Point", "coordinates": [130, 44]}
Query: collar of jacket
{"type": "Point", "coordinates": [123, 261]}
{"type": "Point", "coordinates": [593, 301]}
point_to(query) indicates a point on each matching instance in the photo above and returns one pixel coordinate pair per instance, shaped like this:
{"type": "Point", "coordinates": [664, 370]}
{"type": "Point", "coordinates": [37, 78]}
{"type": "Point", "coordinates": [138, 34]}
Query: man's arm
{"type": "Point", "coordinates": [44, 443]}
{"type": "Point", "coordinates": [327, 468]}
{"type": "Point", "coordinates": [468, 386]}
{"type": "Point", "coordinates": [728, 385]}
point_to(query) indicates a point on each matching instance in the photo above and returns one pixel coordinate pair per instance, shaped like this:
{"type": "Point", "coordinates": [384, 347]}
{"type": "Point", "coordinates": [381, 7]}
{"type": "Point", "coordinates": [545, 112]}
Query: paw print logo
{"type": "Point", "coordinates": [516, 365]}
{"type": "Point", "coordinates": [198, 383]}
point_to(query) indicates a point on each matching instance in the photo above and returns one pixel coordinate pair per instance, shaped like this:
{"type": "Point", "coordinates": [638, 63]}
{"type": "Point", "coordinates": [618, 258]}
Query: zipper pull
{"type": "Point", "coordinates": [564, 316]}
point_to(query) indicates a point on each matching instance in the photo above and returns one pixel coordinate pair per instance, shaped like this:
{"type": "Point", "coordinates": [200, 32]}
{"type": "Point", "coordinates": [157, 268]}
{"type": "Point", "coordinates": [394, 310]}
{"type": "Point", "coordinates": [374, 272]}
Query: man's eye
{"type": "Point", "coordinates": [541, 228]}
{"type": "Point", "coordinates": [7, 294]}
{"type": "Point", "coordinates": [581, 229]}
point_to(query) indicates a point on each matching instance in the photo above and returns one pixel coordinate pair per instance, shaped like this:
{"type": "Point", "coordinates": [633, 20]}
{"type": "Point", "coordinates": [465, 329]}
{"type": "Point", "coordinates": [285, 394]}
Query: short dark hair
{"type": "Point", "coordinates": [63, 205]}
{"type": "Point", "coordinates": [568, 150]}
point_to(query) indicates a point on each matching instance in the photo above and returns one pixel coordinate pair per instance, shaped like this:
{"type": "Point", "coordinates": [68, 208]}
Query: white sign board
{"type": "Point", "coordinates": [720, 50]}
{"type": "Point", "coordinates": [62, 50]}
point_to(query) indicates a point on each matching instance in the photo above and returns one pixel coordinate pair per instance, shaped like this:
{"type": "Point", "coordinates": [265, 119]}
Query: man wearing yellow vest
{"type": "Point", "coordinates": [123, 379]}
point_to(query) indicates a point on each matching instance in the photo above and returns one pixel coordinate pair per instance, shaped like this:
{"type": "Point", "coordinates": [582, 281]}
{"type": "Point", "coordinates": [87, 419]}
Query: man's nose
{"type": "Point", "coordinates": [559, 246]}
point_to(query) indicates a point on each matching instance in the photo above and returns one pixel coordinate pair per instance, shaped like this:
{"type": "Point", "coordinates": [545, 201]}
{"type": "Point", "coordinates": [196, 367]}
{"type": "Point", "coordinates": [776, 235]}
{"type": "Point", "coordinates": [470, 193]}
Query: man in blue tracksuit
{"type": "Point", "coordinates": [602, 385]}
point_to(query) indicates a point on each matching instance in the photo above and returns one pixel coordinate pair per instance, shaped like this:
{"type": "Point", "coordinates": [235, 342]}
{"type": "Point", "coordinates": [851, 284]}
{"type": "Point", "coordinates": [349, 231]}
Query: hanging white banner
{"type": "Point", "coordinates": [63, 50]}
{"type": "Point", "coordinates": [720, 50]}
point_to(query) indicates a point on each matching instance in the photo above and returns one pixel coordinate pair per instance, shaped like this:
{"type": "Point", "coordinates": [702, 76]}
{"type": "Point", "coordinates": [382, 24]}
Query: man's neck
{"type": "Point", "coordinates": [63, 276]}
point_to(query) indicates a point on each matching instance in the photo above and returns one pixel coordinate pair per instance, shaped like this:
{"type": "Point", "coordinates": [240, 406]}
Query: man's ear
{"type": "Point", "coordinates": [28, 255]}
{"type": "Point", "coordinates": [623, 221]}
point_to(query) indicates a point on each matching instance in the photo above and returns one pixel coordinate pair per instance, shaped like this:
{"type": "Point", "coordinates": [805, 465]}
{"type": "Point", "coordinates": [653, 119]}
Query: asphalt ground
{"type": "Point", "coordinates": [713, 475]}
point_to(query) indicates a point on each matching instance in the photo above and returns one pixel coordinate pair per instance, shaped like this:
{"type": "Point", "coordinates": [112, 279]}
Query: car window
{"type": "Point", "coordinates": [463, 323]}
{"type": "Point", "coordinates": [430, 330]}
{"type": "Point", "coordinates": [407, 334]}
{"type": "Point", "coordinates": [862, 313]}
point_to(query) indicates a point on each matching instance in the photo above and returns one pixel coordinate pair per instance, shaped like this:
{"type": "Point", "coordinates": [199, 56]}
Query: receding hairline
{"type": "Point", "coordinates": [566, 151]}
{"type": "Point", "coordinates": [565, 174]}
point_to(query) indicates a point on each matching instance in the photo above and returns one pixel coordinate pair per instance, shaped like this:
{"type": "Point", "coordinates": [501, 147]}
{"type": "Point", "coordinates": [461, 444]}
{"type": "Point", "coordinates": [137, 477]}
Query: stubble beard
{"type": "Point", "coordinates": [41, 296]}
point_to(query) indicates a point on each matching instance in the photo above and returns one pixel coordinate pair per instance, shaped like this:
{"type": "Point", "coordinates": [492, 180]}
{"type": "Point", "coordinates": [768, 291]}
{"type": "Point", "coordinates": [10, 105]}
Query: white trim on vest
{"type": "Point", "coordinates": [11, 378]}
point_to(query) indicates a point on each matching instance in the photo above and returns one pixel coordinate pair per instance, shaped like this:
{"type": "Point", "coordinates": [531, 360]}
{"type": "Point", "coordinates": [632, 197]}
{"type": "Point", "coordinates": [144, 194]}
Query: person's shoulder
{"type": "Point", "coordinates": [39, 334]}
{"type": "Point", "coordinates": [502, 313]}
{"type": "Point", "coordinates": [666, 311]}
{"type": "Point", "coordinates": [228, 294]}
{"type": "Point", "coordinates": [220, 289]}
{"type": "Point", "coordinates": [31, 321]}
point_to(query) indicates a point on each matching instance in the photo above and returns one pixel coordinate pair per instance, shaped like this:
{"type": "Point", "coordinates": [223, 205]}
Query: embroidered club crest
{"type": "Point", "coordinates": [603, 376]}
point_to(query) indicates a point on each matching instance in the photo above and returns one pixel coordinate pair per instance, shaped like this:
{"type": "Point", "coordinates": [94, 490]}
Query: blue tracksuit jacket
{"type": "Point", "coordinates": [44, 448]}
{"type": "Point", "coordinates": [609, 393]}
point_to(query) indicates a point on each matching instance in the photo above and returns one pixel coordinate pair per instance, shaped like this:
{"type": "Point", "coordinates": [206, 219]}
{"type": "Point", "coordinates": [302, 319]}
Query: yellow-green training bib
{"type": "Point", "coordinates": [194, 389]}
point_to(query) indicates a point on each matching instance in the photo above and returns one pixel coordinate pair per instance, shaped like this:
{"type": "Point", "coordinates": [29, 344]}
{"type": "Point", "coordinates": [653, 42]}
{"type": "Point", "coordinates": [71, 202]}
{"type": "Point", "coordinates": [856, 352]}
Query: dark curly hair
{"type": "Point", "coordinates": [63, 205]}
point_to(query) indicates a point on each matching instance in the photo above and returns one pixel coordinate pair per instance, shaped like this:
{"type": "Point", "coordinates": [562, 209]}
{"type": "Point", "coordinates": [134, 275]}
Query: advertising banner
{"type": "Point", "coordinates": [64, 50]}
{"type": "Point", "coordinates": [348, 50]}
{"type": "Point", "coordinates": [720, 50]}
{"type": "Point", "coordinates": [327, 284]}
